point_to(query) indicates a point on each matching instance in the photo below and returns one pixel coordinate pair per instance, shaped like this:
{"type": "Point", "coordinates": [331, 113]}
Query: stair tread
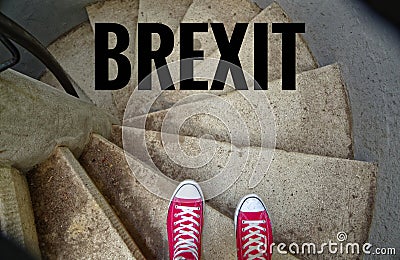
{"type": "Point", "coordinates": [58, 119]}
{"type": "Point", "coordinates": [64, 49]}
{"type": "Point", "coordinates": [16, 215]}
{"type": "Point", "coordinates": [168, 12]}
{"type": "Point", "coordinates": [143, 213]}
{"type": "Point", "coordinates": [310, 197]}
{"type": "Point", "coordinates": [73, 219]}
{"type": "Point", "coordinates": [77, 47]}
{"type": "Point", "coordinates": [75, 53]}
{"type": "Point", "coordinates": [273, 13]}
{"type": "Point", "coordinates": [201, 11]}
{"type": "Point", "coordinates": [313, 119]}
{"type": "Point", "coordinates": [206, 11]}
{"type": "Point", "coordinates": [124, 13]}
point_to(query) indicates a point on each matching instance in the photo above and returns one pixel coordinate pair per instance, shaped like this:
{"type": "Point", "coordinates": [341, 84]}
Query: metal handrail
{"type": "Point", "coordinates": [13, 31]}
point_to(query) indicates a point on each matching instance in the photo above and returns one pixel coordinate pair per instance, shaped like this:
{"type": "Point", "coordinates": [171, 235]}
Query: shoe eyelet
{"type": "Point", "coordinates": [176, 206]}
{"type": "Point", "coordinates": [198, 208]}
{"type": "Point", "coordinates": [175, 215]}
{"type": "Point", "coordinates": [242, 229]}
{"type": "Point", "coordinates": [242, 221]}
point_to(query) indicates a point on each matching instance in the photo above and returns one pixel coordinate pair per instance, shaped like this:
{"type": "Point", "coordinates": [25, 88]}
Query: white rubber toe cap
{"type": "Point", "coordinates": [188, 190]}
{"type": "Point", "coordinates": [251, 203]}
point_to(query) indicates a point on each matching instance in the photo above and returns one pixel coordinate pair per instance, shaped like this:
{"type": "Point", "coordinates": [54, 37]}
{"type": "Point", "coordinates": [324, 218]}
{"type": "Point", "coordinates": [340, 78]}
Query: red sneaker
{"type": "Point", "coordinates": [253, 229]}
{"type": "Point", "coordinates": [185, 221]}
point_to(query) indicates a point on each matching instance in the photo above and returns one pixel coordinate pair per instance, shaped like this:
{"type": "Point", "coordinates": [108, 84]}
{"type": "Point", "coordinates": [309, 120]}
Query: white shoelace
{"type": "Point", "coordinates": [186, 245]}
{"type": "Point", "coordinates": [256, 240]}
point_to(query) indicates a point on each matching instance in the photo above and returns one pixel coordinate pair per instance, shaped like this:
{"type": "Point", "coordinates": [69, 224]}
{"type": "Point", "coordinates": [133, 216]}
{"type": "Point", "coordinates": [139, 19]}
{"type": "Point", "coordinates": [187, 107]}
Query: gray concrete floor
{"type": "Point", "coordinates": [337, 31]}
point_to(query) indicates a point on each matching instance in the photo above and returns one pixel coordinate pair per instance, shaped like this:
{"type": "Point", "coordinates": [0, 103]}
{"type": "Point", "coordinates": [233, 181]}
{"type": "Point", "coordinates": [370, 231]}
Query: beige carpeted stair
{"type": "Point", "coordinates": [304, 192]}
{"type": "Point", "coordinates": [73, 219]}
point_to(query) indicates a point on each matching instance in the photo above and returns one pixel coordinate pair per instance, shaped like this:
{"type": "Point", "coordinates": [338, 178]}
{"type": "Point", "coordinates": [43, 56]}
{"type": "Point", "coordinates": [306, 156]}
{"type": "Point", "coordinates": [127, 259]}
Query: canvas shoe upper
{"type": "Point", "coordinates": [253, 229]}
{"type": "Point", "coordinates": [185, 222]}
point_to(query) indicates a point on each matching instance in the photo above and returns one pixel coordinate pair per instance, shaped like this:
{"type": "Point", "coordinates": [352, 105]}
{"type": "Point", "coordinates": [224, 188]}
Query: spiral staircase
{"type": "Point", "coordinates": [86, 203]}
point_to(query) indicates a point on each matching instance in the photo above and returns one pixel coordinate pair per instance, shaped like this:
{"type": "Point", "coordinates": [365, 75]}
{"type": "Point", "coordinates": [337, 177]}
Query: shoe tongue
{"type": "Point", "coordinates": [255, 216]}
{"type": "Point", "coordinates": [189, 239]}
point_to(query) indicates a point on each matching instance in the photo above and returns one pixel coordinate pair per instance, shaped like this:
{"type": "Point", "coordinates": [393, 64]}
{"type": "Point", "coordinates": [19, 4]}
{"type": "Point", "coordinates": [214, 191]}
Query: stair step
{"type": "Point", "coordinates": [75, 53]}
{"type": "Point", "coordinates": [168, 12]}
{"type": "Point", "coordinates": [207, 11]}
{"type": "Point", "coordinates": [313, 119]}
{"type": "Point", "coordinates": [311, 198]}
{"type": "Point", "coordinates": [58, 119]}
{"type": "Point", "coordinates": [116, 11]}
{"type": "Point", "coordinates": [16, 215]}
{"type": "Point", "coordinates": [124, 13]}
{"type": "Point", "coordinates": [143, 213]}
{"type": "Point", "coordinates": [201, 11]}
{"type": "Point", "coordinates": [273, 13]}
{"type": "Point", "coordinates": [73, 219]}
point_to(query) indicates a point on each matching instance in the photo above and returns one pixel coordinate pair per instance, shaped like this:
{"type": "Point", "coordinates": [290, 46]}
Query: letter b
{"type": "Point", "coordinates": [103, 53]}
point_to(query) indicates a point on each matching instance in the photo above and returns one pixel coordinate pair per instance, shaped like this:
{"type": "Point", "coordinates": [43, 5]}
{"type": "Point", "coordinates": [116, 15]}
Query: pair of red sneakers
{"type": "Point", "coordinates": [185, 222]}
